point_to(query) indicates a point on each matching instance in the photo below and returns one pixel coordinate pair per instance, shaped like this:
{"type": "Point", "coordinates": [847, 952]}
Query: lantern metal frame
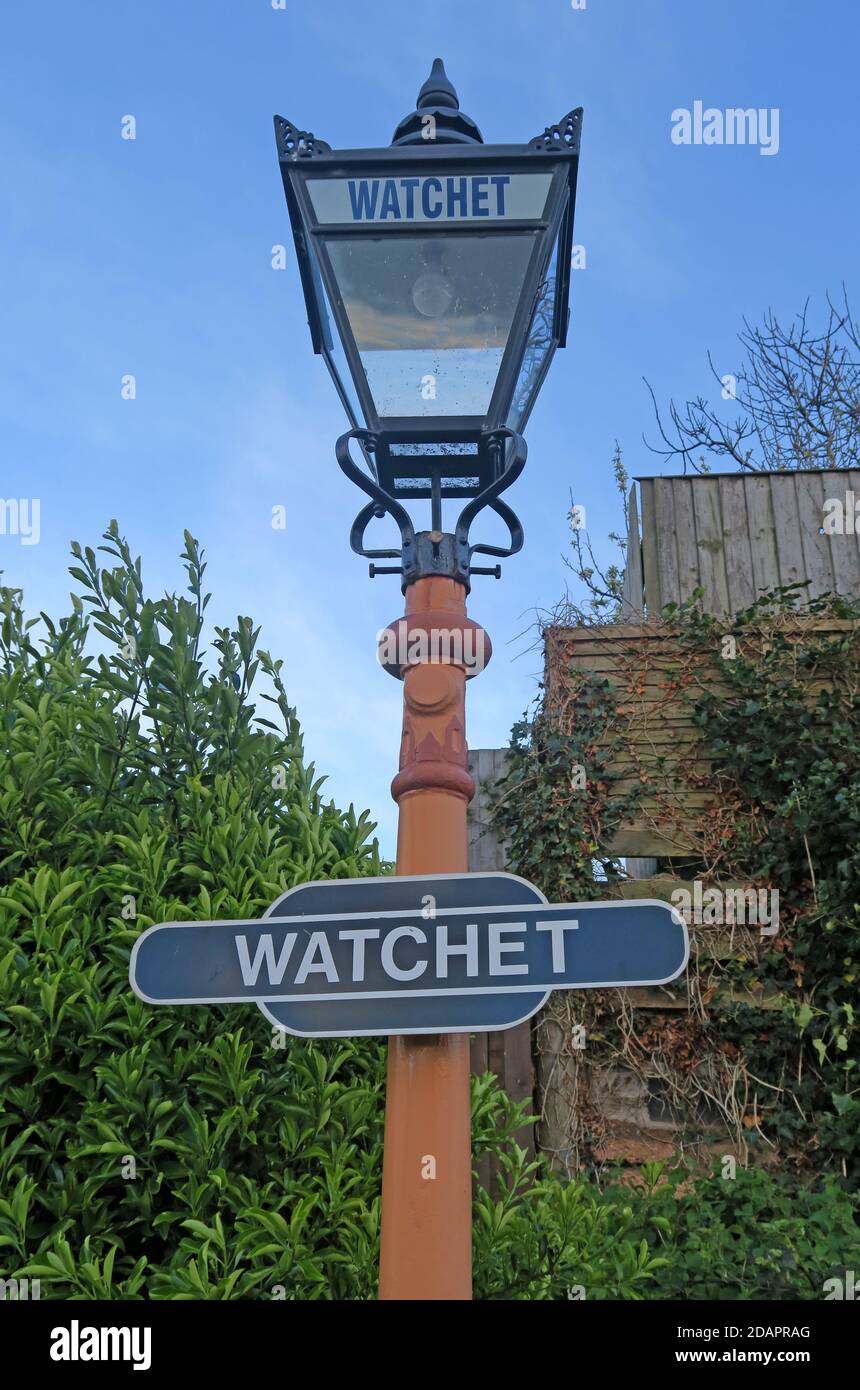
{"type": "Point", "coordinates": [434, 457]}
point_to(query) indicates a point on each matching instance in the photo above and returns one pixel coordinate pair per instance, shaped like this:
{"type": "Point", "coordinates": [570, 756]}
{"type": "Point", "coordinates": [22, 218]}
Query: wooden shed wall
{"type": "Point", "coordinates": [735, 535]}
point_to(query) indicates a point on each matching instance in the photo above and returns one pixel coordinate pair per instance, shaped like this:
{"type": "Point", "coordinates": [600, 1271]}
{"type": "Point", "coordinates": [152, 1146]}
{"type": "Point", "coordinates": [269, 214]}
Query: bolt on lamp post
{"type": "Point", "coordinates": [443, 265]}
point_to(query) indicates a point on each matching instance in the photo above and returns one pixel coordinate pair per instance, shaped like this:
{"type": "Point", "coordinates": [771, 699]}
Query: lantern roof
{"type": "Point", "coordinates": [437, 110]}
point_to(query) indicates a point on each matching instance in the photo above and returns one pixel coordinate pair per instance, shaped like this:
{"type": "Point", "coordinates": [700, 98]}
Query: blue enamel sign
{"type": "Point", "coordinates": [437, 954]}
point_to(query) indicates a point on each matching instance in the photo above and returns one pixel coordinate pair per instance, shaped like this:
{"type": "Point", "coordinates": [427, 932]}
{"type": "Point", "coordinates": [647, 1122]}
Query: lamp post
{"type": "Point", "coordinates": [436, 275]}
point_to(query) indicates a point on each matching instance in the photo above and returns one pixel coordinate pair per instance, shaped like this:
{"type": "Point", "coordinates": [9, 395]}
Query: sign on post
{"type": "Point", "coordinates": [446, 953]}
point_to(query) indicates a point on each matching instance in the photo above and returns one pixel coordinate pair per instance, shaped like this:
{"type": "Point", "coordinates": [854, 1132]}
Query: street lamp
{"type": "Point", "coordinates": [436, 275]}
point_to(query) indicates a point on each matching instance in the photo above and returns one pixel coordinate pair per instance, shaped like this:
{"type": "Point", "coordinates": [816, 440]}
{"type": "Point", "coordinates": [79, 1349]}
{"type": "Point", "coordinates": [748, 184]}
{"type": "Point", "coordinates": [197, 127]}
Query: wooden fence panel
{"type": "Point", "coordinates": [632, 595]}
{"type": "Point", "coordinates": [735, 535]}
{"type": "Point", "coordinates": [655, 695]}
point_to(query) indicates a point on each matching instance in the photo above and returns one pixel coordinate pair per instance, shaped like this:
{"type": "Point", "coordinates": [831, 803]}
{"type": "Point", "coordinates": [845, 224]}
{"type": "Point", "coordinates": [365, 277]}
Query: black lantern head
{"type": "Point", "coordinates": [436, 275]}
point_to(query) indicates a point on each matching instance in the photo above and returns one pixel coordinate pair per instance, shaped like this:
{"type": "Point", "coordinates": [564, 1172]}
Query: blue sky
{"type": "Point", "coordinates": [153, 257]}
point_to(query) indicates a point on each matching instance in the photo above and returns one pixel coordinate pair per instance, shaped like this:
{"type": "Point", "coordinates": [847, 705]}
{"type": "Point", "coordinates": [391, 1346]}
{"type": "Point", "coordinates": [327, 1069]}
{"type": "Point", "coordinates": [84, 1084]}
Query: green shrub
{"type": "Point", "coordinates": [752, 1237]}
{"type": "Point", "coordinates": [164, 1152]}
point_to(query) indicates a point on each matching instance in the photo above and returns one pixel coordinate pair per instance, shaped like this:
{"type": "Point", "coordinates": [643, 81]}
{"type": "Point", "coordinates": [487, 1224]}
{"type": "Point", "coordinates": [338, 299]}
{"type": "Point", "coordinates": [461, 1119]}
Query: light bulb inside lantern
{"type": "Point", "coordinates": [432, 294]}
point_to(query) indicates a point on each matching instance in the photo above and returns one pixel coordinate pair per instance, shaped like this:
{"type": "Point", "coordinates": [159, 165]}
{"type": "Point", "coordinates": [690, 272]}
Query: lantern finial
{"type": "Point", "coordinates": [438, 90]}
{"type": "Point", "coordinates": [437, 116]}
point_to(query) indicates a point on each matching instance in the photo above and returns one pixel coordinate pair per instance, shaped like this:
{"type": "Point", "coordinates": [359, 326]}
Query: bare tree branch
{"type": "Point", "coordinates": [796, 400]}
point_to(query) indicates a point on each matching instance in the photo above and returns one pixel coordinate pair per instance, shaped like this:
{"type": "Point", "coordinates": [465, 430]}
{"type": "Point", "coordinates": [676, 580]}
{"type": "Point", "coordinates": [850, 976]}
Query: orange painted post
{"type": "Point", "coordinates": [427, 1168]}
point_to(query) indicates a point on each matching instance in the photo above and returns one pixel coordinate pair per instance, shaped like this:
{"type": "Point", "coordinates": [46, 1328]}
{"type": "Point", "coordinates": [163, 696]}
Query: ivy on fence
{"type": "Point", "coordinates": [757, 783]}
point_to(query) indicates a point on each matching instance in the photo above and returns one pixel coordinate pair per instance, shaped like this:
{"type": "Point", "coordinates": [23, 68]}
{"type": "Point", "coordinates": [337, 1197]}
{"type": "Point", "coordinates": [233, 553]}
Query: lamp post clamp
{"type": "Point", "coordinates": [437, 552]}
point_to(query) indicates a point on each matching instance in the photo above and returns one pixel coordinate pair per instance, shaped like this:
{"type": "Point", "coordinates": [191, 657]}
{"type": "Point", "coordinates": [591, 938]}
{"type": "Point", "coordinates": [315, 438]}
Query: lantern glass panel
{"type": "Point", "coordinates": [335, 357]}
{"type": "Point", "coordinates": [540, 345]}
{"type": "Point", "coordinates": [431, 316]}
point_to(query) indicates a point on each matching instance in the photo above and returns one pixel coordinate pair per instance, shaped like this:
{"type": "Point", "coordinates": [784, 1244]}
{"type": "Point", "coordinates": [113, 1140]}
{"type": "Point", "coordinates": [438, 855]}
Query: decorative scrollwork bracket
{"type": "Point", "coordinates": [297, 144]}
{"type": "Point", "coordinates": [565, 135]}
